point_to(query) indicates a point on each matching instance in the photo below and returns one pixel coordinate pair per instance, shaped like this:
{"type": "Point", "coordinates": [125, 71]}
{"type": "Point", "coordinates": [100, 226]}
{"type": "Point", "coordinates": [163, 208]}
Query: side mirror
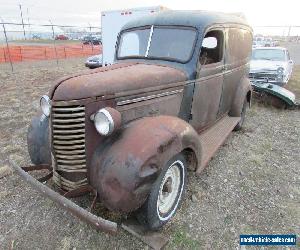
{"type": "Point", "coordinates": [210, 42]}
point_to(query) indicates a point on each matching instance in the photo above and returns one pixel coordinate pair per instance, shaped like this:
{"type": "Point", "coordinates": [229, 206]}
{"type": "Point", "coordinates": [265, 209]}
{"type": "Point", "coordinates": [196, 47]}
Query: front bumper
{"type": "Point", "coordinates": [267, 78]}
{"type": "Point", "coordinates": [98, 222]}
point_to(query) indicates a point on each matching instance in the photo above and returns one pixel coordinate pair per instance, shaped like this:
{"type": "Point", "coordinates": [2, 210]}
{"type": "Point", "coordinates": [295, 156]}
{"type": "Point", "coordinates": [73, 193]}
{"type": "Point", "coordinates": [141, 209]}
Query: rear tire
{"type": "Point", "coordinates": [166, 194]}
{"type": "Point", "coordinates": [243, 115]}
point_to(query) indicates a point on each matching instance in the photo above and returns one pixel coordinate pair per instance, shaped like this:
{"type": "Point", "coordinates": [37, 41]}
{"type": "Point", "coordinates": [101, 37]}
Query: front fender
{"type": "Point", "coordinates": [243, 91]}
{"type": "Point", "coordinates": [38, 142]}
{"type": "Point", "coordinates": [125, 166]}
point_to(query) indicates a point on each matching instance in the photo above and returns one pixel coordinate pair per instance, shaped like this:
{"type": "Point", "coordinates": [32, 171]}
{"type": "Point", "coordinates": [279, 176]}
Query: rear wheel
{"type": "Point", "coordinates": [166, 194]}
{"type": "Point", "coordinates": [243, 115]}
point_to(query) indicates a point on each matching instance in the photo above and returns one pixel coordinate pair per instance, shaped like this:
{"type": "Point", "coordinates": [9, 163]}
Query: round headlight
{"type": "Point", "coordinates": [45, 105]}
{"type": "Point", "coordinates": [280, 70]}
{"type": "Point", "coordinates": [104, 122]}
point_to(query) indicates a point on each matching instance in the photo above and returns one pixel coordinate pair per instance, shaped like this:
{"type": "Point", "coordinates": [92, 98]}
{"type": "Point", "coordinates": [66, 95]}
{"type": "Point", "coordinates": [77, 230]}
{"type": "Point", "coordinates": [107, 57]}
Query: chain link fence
{"type": "Point", "coordinates": [25, 42]}
{"type": "Point", "coordinates": [30, 42]}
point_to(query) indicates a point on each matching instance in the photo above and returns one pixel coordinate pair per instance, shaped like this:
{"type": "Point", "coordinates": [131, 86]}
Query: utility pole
{"type": "Point", "coordinates": [20, 6]}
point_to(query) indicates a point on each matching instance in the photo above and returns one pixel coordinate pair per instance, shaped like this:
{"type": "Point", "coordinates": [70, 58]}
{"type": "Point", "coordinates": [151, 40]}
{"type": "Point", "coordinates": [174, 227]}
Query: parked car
{"type": "Point", "coordinates": [94, 61]}
{"type": "Point", "coordinates": [259, 42]}
{"type": "Point", "coordinates": [36, 36]}
{"type": "Point", "coordinates": [95, 40]}
{"type": "Point", "coordinates": [268, 42]}
{"type": "Point", "coordinates": [61, 37]}
{"type": "Point", "coordinates": [271, 64]}
{"type": "Point", "coordinates": [129, 132]}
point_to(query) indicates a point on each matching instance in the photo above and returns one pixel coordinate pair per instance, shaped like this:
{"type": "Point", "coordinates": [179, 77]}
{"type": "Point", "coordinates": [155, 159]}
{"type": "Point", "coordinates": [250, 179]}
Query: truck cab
{"type": "Point", "coordinates": [130, 131]}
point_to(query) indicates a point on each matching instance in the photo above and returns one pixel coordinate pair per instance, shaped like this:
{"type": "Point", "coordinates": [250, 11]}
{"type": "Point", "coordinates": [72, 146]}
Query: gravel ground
{"type": "Point", "coordinates": [251, 186]}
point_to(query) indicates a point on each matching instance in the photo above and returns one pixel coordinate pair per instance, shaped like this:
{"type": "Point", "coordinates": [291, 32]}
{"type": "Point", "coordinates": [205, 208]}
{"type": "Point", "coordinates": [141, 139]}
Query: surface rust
{"type": "Point", "coordinates": [125, 165]}
{"type": "Point", "coordinates": [113, 79]}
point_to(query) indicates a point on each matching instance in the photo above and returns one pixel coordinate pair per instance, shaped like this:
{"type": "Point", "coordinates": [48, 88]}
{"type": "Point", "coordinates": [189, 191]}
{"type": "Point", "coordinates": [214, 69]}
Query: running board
{"type": "Point", "coordinates": [212, 138]}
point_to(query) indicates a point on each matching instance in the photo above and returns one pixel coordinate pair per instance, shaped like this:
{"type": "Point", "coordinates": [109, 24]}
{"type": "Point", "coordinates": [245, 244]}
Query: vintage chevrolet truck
{"type": "Point", "coordinates": [130, 131]}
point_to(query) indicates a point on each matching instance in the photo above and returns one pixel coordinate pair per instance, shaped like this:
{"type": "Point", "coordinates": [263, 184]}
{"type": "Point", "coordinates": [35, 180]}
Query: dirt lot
{"type": "Point", "coordinates": [251, 186]}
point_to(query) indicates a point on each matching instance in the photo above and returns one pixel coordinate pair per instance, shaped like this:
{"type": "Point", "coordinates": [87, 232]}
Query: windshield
{"type": "Point", "coordinates": [268, 54]}
{"type": "Point", "coordinates": [158, 43]}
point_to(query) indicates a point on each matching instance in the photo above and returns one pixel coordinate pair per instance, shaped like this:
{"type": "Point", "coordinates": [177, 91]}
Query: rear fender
{"type": "Point", "coordinates": [124, 168]}
{"type": "Point", "coordinates": [243, 91]}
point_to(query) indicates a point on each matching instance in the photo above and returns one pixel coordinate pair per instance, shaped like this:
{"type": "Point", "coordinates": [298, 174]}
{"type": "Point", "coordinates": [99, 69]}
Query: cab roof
{"type": "Point", "coordinates": [197, 19]}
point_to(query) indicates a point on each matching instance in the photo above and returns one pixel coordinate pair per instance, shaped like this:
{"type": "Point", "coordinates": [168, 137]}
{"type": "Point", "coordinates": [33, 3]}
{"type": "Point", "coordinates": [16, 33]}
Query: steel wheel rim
{"type": "Point", "coordinates": [170, 191]}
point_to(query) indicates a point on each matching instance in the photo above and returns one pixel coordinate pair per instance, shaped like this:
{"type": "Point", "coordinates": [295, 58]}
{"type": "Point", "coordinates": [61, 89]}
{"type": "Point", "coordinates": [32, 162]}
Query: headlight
{"type": "Point", "coordinates": [107, 120]}
{"type": "Point", "coordinates": [45, 105]}
{"type": "Point", "coordinates": [280, 70]}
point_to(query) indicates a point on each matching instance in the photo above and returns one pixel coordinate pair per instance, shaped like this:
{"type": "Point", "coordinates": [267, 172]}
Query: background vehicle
{"type": "Point", "coordinates": [61, 37]}
{"type": "Point", "coordinates": [111, 24]}
{"type": "Point", "coordinates": [259, 41]}
{"type": "Point", "coordinates": [92, 39]}
{"type": "Point", "coordinates": [271, 64]}
{"type": "Point", "coordinates": [94, 61]}
{"type": "Point", "coordinates": [268, 42]}
{"type": "Point", "coordinates": [130, 131]}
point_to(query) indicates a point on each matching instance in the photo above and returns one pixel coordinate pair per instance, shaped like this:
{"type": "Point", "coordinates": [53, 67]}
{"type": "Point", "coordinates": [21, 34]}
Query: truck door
{"type": "Point", "coordinates": [209, 80]}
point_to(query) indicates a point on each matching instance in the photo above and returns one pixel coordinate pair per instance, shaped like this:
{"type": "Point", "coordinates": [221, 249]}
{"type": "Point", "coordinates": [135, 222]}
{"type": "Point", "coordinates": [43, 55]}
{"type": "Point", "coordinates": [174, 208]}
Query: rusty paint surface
{"type": "Point", "coordinates": [114, 79]}
{"type": "Point", "coordinates": [126, 164]}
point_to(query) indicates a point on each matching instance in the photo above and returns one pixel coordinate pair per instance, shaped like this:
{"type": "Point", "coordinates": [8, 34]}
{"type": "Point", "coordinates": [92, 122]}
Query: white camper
{"type": "Point", "coordinates": [113, 21]}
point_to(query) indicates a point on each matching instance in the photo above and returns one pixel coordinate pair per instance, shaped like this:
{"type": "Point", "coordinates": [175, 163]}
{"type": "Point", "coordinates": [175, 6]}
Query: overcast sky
{"type": "Point", "coordinates": [71, 12]}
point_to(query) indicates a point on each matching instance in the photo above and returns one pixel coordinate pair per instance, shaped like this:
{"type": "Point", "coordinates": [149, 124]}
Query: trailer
{"type": "Point", "coordinates": [113, 21]}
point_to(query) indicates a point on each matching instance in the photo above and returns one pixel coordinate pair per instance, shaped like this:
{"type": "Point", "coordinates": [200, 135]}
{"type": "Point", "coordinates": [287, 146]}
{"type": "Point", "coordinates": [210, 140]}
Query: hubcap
{"type": "Point", "coordinates": [169, 189]}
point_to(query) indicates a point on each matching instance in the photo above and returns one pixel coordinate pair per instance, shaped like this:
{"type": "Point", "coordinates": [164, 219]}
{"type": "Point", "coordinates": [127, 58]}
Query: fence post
{"type": "Point", "coordinates": [54, 43]}
{"type": "Point", "coordinates": [4, 54]}
{"type": "Point", "coordinates": [9, 57]}
{"type": "Point", "coordinates": [20, 51]}
{"type": "Point", "coordinates": [91, 39]}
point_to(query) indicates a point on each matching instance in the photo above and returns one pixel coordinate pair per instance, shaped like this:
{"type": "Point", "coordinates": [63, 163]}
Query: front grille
{"type": "Point", "coordinates": [68, 145]}
{"type": "Point", "coordinates": [269, 76]}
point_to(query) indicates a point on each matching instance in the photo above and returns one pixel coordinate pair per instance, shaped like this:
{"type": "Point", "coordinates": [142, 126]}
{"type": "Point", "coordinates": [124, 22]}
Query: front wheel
{"type": "Point", "coordinates": [166, 194]}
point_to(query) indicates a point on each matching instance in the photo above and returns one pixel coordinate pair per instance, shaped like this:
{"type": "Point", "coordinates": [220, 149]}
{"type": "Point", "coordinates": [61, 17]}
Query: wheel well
{"type": "Point", "coordinates": [191, 158]}
{"type": "Point", "coordinates": [249, 95]}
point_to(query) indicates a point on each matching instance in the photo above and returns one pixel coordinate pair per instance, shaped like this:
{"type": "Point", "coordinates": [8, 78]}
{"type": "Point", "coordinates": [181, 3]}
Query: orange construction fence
{"type": "Point", "coordinates": [46, 52]}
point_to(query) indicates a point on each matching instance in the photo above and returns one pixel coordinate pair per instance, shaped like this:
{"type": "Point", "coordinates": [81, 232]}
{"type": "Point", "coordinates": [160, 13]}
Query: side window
{"type": "Point", "coordinates": [239, 44]}
{"type": "Point", "coordinates": [212, 47]}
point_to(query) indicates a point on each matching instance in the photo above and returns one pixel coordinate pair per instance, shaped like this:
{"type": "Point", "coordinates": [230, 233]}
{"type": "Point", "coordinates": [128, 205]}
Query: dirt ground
{"type": "Point", "coordinates": [251, 186]}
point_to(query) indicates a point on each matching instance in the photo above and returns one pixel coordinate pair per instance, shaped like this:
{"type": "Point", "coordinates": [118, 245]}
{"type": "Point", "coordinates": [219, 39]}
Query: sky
{"type": "Point", "coordinates": [84, 13]}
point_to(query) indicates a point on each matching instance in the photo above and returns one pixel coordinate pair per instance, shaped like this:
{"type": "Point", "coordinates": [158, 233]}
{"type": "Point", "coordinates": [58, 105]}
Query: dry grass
{"type": "Point", "coordinates": [250, 186]}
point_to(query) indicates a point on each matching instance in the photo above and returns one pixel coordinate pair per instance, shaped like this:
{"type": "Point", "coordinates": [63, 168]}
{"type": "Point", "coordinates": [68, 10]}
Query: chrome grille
{"type": "Point", "coordinates": [68, 144]}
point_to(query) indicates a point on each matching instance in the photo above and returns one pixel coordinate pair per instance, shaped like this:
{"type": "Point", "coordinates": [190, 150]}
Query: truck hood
{"type": "Point", "coordinates": [115, 79]}
{"type": "Point", "coordinates": [265, 65]}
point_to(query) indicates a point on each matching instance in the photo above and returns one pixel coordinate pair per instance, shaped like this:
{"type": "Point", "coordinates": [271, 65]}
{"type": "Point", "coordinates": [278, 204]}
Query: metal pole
{"type": "Point", "coordinates": [6, 40]}
{"type": "Point", "coordinates": [91, 37]}
{"type": "Point", "coordinates": [289, 32]}
{"type": "Point", "coordinates": [54, 43]}
{"type": "Point", "coordinates": [28, 24]}
{"type": "Point", "coordinates": [22, 21]}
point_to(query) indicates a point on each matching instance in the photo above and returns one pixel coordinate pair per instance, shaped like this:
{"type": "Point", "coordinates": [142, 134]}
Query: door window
{"type": "Point", "coordinates": [212, 47]}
